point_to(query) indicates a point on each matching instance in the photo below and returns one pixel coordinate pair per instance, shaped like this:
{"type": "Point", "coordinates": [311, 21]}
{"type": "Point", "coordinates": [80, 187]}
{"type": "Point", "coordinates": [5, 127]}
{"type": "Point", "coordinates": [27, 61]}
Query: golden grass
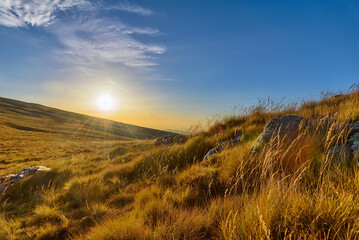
{"type": "Point", "coordinates": [135, 190]}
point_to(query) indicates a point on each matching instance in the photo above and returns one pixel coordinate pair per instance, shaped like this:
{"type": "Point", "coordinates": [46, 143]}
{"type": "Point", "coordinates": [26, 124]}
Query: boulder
{"type": "Point", "coordinates": [286, 126]}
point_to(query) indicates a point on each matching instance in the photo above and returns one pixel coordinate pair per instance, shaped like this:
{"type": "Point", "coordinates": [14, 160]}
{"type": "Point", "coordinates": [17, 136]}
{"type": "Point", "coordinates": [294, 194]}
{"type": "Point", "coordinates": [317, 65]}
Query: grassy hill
{"type": "Point", "coordinates": [134, 189]}
{"type": "Point", "coordinates": [32, 117]}
{"type": "Point", "coordinates": [32, 134]}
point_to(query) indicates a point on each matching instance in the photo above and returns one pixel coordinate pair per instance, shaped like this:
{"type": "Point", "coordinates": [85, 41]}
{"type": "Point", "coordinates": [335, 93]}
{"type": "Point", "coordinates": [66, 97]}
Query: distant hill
{"type": "Point", "coordinates": [36, 118]}
{"type": "Point", "coordinates": [177, 131]}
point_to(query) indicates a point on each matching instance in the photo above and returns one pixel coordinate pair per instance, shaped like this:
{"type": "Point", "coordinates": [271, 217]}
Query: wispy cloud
{"type": "Point", "coordinates": [98, 40]}
{"type": "Point", "coordinates": [89, 39]}
{"type": "Point", "coordinates": [19, 13]}
{"type": "Point", "coordinates": [133, 8]}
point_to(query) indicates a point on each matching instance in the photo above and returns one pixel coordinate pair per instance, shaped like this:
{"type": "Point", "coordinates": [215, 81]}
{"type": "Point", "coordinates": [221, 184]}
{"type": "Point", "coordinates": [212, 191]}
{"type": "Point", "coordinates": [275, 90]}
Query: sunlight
{"type": "Point", "coordinates": [105, 102]}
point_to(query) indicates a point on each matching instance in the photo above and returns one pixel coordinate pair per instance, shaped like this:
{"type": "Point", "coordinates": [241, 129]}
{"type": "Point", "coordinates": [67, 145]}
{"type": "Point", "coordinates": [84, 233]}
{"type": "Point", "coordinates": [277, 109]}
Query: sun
{"type": "Point", "coordinates": [105, 103]}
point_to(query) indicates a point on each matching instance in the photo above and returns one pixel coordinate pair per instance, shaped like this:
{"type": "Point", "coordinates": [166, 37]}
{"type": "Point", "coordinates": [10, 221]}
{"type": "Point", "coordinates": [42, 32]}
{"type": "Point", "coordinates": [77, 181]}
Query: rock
{"type": "Point", "coordinates": [355, 147]}
{"type": "Point", "coordinates": [220, 147]}
{"type": "Point", "coordinates": [339, 153]}
{"type": "Point", "coordinates": [354, 139]}
{"type": "Point", "coordinates": [354, 142]}
{"type": "Point", "coordinates": [351, 149]}
{"type": "Point", "coordinates": [26, 172]}
{"type": "Point", "coordinates": [285, 126]}
{"type": "Point", "coordinates": [354, 127]}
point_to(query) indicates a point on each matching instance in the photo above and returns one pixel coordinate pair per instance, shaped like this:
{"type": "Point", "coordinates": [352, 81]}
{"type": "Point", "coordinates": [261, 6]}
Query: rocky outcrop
{"type": "Point", "coordinates": [286, 126]}
{"type": "Point", "coordinates": [349, 149]}
{"type": "Point", "coordinates": [354, 144]}
{"type": "Point", "coordinates": [14, 178]}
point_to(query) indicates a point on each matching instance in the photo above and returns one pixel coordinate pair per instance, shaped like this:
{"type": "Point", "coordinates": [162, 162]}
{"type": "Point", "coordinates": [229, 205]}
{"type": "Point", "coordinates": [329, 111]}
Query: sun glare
{"type": "Point", "coordinates": [105, 103]}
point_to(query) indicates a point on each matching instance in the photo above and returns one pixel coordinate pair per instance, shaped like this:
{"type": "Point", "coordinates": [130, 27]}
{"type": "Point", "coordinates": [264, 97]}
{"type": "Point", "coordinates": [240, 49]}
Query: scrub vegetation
{"type": "Point", "coordinates": [134, 189]}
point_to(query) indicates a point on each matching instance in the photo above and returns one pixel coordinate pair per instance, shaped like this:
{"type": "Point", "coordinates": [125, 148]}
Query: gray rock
{"type": "Point", "coordinates": [354, 143]}
{"type": "Point", "coordinates": [354, 147]}
{"type": "Point", "coordinates": [354, 127]}
{"type": "Point", "coordinates": [339, 153]}
{"type": "Point", "coordinates": [220, 147]}
{"type": "Point", "coordinates": [285, 126]}
{"type": "Point", "coordinates": [355, 137]}
{"type": "Point", "coordinates": [351, 149]}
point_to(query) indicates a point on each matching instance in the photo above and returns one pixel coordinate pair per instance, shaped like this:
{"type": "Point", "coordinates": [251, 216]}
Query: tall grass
{"type": "Point", "coordinates": [290, 189]}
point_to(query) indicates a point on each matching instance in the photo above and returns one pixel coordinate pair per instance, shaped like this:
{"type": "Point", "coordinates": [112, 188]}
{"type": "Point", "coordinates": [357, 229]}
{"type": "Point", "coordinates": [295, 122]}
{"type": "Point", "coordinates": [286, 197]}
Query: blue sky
{"type": "Point", "coordinates": [169, 64]}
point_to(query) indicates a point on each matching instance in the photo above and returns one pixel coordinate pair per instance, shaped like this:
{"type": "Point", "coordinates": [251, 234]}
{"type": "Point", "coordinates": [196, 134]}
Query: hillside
{"type": "Point", "coordinates": [218, 184]}
{"type": "Point", "coordinates": [32, 134]}
{"type": "Point", "coordinates": [32, 117]}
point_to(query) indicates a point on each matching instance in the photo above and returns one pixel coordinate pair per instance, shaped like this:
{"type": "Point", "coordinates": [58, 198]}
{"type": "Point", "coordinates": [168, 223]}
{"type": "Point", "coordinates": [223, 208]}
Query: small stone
{"type": "Point", "coordinates": [10, 176]}
{"type": "Point", "coordinates": [19, 176]}
{"type": "Point", "coordinates": [42, 168]}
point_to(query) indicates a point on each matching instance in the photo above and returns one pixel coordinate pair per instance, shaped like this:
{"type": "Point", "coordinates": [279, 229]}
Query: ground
{"type": "Point", "coordinates": [106, 187]}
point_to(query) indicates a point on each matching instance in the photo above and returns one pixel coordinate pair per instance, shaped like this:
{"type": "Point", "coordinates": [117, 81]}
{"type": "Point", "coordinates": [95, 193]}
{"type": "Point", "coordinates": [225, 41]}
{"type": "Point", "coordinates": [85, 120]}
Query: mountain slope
{"type": "Point", "coordinates": [32, 117]}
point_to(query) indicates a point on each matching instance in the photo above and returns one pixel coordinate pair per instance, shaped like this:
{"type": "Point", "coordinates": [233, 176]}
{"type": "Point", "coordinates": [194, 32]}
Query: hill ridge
{"type": "Point", "coordinates": [27, 116]}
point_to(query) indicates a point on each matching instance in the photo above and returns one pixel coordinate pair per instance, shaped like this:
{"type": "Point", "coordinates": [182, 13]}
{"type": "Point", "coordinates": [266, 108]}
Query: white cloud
{"type": "Point", "coordinates": [133, 8]}
{"type": "Point", "coordinates": [18, 13]}
{"type": "Point", "coordinates": [93, 41]}
{"type": "Point", "coordinates": [9, 19]}
{"type": "Point", "coordinates": [88, 39]}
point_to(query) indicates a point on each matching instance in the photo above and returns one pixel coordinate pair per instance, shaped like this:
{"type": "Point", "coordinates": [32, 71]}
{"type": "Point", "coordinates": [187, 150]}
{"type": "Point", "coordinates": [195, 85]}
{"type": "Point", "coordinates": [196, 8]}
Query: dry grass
{"type": "Point", "coordinates": [134, 190]}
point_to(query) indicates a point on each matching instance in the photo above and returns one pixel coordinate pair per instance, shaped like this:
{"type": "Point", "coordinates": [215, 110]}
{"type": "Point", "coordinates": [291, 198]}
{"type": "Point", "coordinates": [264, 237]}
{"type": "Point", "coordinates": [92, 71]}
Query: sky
{"type": "Point", "coordinates": [172, 64]}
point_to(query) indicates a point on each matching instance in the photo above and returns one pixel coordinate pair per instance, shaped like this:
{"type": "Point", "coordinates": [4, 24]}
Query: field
{"type": "Point", "coordinates": [108, 185]}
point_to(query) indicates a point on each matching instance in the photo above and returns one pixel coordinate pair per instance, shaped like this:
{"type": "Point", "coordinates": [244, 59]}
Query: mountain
{"type": "Point", "coordinates": [36, 118]}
